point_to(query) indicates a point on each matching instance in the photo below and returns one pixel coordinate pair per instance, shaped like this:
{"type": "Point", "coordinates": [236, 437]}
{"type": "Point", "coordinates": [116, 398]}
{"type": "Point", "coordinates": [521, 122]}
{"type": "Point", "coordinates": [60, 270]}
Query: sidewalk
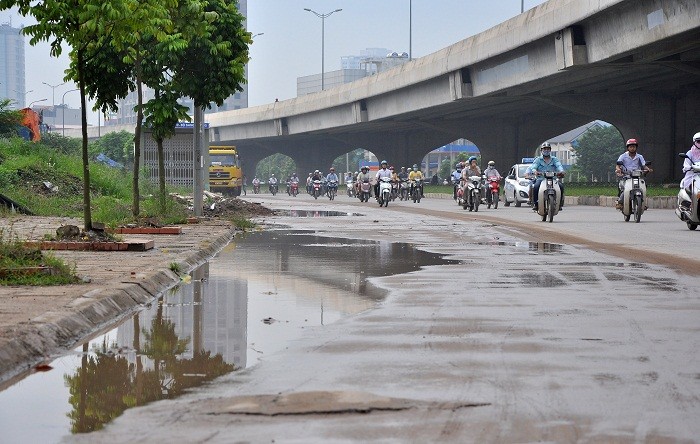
{"type": "Point", "coordinates": [37, 322]}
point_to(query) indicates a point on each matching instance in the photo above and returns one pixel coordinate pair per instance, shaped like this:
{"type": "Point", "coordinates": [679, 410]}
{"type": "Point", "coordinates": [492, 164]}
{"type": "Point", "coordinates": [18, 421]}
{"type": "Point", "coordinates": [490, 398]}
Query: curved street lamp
{"type": "Point", "coordinates": [323, 20]}
{"type": "Point", "coordinates": [255, 35]}
{"type": "Point", "coordinates": [53, 92]}
{"type": "Point", "coordinates": [35, 101]}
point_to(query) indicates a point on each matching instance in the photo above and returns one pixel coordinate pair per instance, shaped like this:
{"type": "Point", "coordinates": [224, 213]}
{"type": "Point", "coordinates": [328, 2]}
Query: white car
{"type": "Point", "coordinates": [517, 187]}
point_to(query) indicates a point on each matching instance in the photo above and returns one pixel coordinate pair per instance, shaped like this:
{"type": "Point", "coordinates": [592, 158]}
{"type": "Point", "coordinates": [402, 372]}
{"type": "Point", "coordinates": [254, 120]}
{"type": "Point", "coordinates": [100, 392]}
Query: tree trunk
{"type": "Point", "coordinates": [87, 212]}
{"type": "Point", "coordinates": [135, 208]}
{"type": "Point", "coordinates": [161, 175]}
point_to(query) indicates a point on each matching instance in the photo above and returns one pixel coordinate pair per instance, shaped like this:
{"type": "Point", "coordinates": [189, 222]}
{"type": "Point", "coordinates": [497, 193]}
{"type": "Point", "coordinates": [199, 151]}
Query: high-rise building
{"type": "Point", "coordinates": [12, 83]}
{"type": "Point", "coordinates": [126, 113]}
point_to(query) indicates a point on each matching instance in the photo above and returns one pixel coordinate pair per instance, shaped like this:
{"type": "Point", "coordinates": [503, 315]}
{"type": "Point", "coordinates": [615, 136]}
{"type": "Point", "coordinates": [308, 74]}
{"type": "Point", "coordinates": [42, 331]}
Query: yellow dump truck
{"type": "Point", "coordinates": [225, 172]}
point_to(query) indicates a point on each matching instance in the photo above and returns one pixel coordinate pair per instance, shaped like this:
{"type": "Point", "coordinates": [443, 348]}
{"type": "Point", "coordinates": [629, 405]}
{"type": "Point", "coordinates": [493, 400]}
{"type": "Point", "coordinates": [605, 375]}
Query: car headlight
{"type": "Point", "coordinates": [524, 182]}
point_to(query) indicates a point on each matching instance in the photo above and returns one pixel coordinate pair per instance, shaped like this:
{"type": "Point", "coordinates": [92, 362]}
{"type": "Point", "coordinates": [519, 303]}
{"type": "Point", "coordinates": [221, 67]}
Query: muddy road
{"type": "Point", "coordinates": [583, 330]}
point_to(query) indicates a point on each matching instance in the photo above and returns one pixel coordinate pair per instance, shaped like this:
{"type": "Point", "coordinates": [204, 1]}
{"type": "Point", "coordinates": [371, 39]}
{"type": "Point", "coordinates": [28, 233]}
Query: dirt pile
{"type": "Point", "coordinates": [230, 207]}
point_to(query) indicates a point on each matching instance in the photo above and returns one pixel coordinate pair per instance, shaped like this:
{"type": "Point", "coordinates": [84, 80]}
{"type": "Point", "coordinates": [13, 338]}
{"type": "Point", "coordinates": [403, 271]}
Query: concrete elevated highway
{"type": "Point", "coordinates": [632, 63]}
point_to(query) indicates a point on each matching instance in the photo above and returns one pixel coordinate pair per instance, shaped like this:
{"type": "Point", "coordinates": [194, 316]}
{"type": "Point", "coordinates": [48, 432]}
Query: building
{"type": "Point", "coordinates": [58, 117]}
{"type": "Point", "coordinates": [563, 145]}
{"type": "Point", "coordinates": [353, 67]}
{"type": "Point", "coordinates": [432, 161]}
{"type": "Point", "coordinates": [126, 113]}
{"type": "Point", "coordinates": [12, 84]}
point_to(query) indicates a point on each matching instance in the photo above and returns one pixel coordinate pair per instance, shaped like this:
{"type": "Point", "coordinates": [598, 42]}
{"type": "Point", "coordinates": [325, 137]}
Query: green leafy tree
{"type": "Point", "coordinates": [9, 118]}
{"type": "Point", "coordinates": [447, 165]}
{"type": "Point", "coordinates": [117, 146]}
{"type": "Point", "coordinates": [86, 27]}
{"type": "Point", "coordinates": [353, 161]}
{"type": "Point", "coordinates": [597, 152]}
{"type": "Point", "coordinates": [278, 164]}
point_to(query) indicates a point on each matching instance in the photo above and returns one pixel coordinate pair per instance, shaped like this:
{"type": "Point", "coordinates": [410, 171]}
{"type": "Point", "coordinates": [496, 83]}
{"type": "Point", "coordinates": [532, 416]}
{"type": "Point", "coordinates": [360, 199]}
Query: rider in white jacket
{"type": "Point", "coordinates": [694, 156]}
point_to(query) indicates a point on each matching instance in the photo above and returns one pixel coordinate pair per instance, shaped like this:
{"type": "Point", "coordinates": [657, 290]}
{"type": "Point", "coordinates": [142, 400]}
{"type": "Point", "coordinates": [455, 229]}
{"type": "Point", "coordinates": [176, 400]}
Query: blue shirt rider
{"type": "Point", "coordinates": [542, 164]}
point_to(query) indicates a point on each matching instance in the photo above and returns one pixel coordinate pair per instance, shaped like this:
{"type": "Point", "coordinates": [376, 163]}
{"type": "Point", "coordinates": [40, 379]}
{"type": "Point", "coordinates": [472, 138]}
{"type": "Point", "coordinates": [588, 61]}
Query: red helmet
{"type": "Point", "coordinates": [631, 142]}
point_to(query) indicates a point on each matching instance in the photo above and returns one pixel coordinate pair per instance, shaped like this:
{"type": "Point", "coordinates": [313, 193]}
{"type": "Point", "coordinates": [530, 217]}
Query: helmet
{"type": "Point", "coordinates": [384, 162]}
{"type": "Point", "coordinates": [403, 168]}
{"type": "Point", "coordinates": [415, 167]}
{"type": "Point", "coordinates": [631, 142]}
{"type": "Point", "coordinates": [364, 167]}
{"type": "Point", "coordinates": [696, 137]}
{"type": "Point", "coordinates": [332, 169]}
{"type": "Point", "coordinates": [272, 175]}
{"type": "Point", "coordinates": [545, 145]}
{"type": "Point", "coordinates": [471, 159]}
{"type": "Point", "coordinates": [317, 171]}
{"type": "Point", "coordinates": [492, 163]}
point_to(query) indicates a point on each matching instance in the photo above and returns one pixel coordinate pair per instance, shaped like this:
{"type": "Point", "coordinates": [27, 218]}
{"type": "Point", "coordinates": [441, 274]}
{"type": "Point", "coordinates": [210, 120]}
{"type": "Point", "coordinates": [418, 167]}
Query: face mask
{"type": "Point", "coordinates": [546, 153]}
{"type": "Point", "coordinates": [697, 144]}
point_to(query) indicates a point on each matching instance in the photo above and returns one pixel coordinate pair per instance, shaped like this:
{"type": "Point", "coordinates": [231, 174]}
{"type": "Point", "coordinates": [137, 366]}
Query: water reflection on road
{"type": "Point", "coordinates": [258, 294]}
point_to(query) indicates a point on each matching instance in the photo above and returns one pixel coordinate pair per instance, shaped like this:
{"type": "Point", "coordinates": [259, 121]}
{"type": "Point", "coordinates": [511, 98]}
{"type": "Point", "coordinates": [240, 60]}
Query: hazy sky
{"type": "Point", "coordinates": [290, 46]}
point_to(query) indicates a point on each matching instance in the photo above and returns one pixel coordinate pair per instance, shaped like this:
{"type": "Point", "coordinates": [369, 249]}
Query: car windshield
{"type": "Point", "coordinates": [226, 160]}
{"type": "Point", "coordinates": [521, 170]}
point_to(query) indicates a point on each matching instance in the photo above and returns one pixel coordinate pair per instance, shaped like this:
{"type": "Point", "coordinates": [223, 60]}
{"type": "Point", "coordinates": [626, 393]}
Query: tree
{"type": "Point", "coordinates": [353, 160]}
{"type": "Point", "coordinates": [9, 118]}
{"type": "Point", "coordinates": [597, 151]}
{"type": "Point", "coordinates": [86, 27]}
{"type": "Point", "coordinates": [447, 165]}
{"type": "Point", "coordinates": [278, 164]}
{"type": "Point", "coordinates": [117, 146]}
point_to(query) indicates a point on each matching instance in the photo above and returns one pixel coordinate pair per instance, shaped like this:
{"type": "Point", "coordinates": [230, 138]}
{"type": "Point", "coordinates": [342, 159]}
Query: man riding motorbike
{"type": "Point", "coordinates": [545, 162]}
{"type": "Point", "coordinates": [272, 182]}
{"type": "Point", "coordinates": [416, 175]}
{"type": "Point", "coordinates": [364, 175]}
{"type": "Point", "coordinates": [456, 179]}
{"type": "Point", "coordinates": [332, 180]}
{"type": "Point", "coordinates": [491, 173]}
{"type": "Point", "coordinates": [384, 171]}
{"type": "Point", "coordinates": [628, 161]}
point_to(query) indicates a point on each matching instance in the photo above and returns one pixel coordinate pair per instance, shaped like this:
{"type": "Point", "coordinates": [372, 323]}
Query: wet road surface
{"type": "Point", "coordinates": [525, 339]}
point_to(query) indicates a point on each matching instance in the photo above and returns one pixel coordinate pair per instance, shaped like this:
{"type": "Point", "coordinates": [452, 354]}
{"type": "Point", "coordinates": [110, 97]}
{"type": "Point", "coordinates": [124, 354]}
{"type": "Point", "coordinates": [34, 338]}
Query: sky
{"type": "Point", "coordinates": [290, 44]}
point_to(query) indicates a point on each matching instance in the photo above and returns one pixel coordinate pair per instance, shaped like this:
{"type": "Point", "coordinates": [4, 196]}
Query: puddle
{"type": "Point", "coordinates": [313, 213]}
{"type": "Point", "coordinates": [540, 247]}
{"type": "Point", "coordinates": [253, 299]}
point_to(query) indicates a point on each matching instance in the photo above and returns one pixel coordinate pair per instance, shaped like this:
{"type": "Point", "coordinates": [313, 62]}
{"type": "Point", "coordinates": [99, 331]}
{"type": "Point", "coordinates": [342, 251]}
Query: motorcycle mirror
{"type": "Point", "coordinates": [683, 155]}
{"type": "Point", "coordinates": [512, 176]}
{"type": "Point", "coordinates": [619, 162]}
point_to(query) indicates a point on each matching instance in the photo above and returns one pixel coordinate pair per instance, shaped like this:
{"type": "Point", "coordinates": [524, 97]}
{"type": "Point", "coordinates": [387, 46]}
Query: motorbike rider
{"type": "Point", "coordinates": [384, 171]}
{"type": "Point", "coordinates": [545, 162]}
{"type": "Point", "coordinates": [694, 156]}
{"type": "Point", "coordinates": [417, 175]}
{"type": "Point", "coordinates": [491, 173]}
{"type": "Point", "coordinates": [272, 181]}
{"type": "Point", "coordinates": [256, 183]}
{"type": "Point", "coordinates": [332, 177]}
{"type": "Point", "coordinates": [630, 160]}
{"type": "Point", "coordinates": [468, 170]}
{"type": "Point", "coordinates": [293, 179]}
{"type": "Point", "coordinates": [403, 174]}
{"type": "Point", "coordinates": [364, 175]}
{"type": "Point", "coordinates": [456, 177]}
{"type": "Point", "coordinates": [308, 183]}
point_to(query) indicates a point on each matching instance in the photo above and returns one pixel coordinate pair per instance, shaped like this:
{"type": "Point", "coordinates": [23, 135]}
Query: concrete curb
{"type": "Point", "coordinates": [57, 331]}
{"type": "Point", "coordinates": [658, 202]}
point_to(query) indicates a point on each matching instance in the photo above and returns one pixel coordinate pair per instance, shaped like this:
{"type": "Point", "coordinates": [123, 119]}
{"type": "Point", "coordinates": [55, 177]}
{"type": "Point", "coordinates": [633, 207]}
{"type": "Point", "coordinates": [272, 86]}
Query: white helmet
{"type": "Point", "coordinates": [696, 137]}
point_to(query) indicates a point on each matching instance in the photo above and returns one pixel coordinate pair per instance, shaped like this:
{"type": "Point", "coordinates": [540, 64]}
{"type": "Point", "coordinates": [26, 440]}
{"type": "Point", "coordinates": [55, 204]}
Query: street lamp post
{"type": "Point", "coordinates": [53, 92]}
{"type": "Point", "coordinates": [63, 109]}
{"type": "Point", "coordinates": [35, 101]}
{"type": "Point", "coordinates": [522, 6]}
{"type": "Point", "coordinates": [323, 20]}
{"type": "Point", "coordinates": [255, 35]}
{"type": "Point", "coordinates": [410, 30]}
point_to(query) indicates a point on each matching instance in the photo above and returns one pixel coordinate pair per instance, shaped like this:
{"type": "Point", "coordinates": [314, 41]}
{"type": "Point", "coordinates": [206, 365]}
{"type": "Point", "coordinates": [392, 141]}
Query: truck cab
{"type": "Point", "coordinates": [225, 172]}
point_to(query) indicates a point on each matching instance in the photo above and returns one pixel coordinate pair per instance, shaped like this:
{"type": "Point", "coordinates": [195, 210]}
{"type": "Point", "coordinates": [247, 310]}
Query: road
{"type": "Point", "coordinates": [583, 330]}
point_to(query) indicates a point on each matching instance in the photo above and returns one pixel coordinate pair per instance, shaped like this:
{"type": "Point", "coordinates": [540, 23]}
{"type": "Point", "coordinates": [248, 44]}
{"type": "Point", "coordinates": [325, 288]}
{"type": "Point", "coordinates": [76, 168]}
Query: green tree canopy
{"type": "Point", "coordinates": [597, 152]}
{"type": "Point", "coordinates": [118, 146]}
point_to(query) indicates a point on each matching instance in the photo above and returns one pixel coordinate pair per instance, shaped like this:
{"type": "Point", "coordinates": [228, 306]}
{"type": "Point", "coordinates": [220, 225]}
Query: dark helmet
{"type": "Point", "coordinates": [471, 158]}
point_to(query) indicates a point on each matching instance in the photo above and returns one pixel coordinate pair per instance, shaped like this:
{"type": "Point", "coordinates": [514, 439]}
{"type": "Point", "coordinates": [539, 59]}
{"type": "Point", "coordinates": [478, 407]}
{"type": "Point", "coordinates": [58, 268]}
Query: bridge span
{"type": "Point", "coordinates": [633, 63]}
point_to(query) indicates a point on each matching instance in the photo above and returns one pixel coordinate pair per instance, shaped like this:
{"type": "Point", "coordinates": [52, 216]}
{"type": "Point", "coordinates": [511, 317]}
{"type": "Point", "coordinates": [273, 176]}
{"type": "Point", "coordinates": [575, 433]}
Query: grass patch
{"type": "Point", "coordinates": [243, 223]}
{"type": "Point", "coordinates": [20, 265]}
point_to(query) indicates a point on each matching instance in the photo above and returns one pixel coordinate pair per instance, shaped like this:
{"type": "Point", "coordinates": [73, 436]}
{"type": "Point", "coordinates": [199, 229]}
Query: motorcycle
{"type": "Point", "coordinates": [549, 196]}
{"type": "Point", "coordinates": [316, 188]}
{"type": "Point", "coordinates": [273, 188]}
{"type": "Point", "coordinates": [634, 194]}
{"type": "Point", "coordinates": [350, 188]}
{"type": "Point", "coordinates": [332, 189]}
{"type": "Point", "coordinates": [455, 189]}
{"type": "Point", "coordinates": [294, 188]}
{"type": "Point", "coordinates": [365, 190]}
{"type": "Point", "coordinates": [689, 199]}
{"type": "Point", "coordinates": [256, 187]}
{"type": "Point", "coordinates": [417, 192]}
{"type": "Point", "coordinates": [384, 192]}
{"type": "Point", "coordinates": [404, 189]}
{"type": "Point", "coordinates": [492, 191]}
{"type": "Point", "coordinates": [394, 190]}
{"type": "Point", "coordinates": [472, 194]}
